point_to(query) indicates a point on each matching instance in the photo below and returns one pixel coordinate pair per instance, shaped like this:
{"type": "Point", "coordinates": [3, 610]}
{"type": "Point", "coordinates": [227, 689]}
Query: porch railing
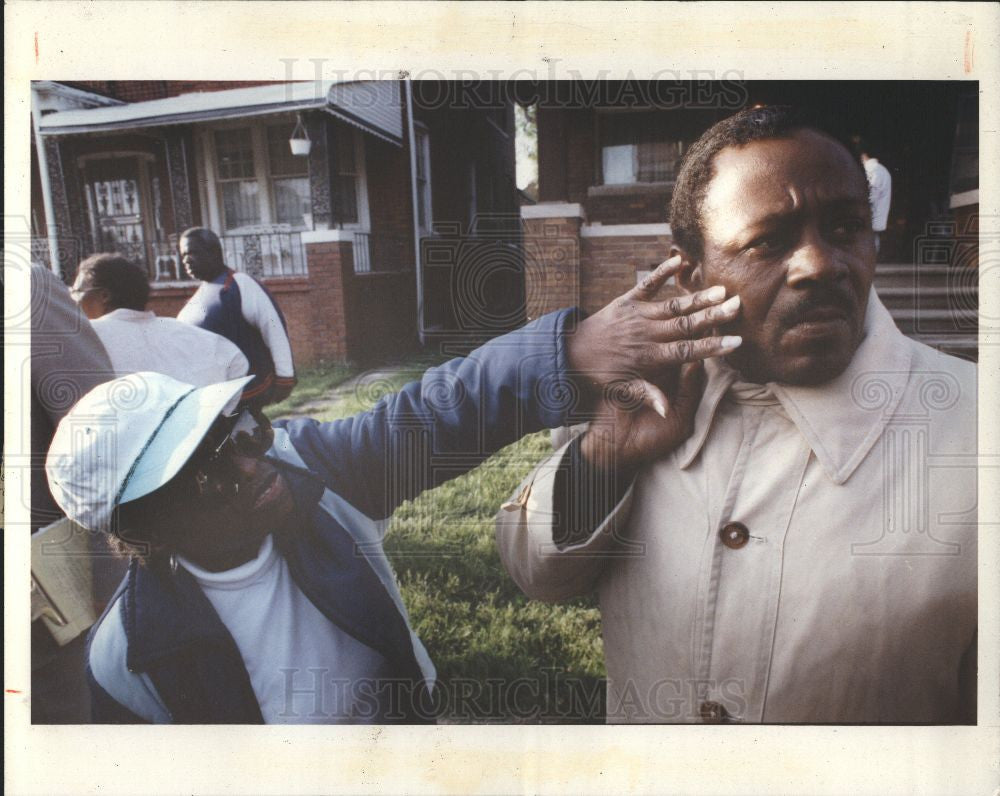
{"type": "Point", "coordinates": [266, 253]}
{"type": "Point", "coordinates": [381, 253]}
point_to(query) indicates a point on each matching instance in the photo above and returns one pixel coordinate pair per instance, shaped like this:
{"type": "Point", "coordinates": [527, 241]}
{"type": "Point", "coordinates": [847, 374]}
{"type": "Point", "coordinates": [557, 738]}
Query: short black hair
{"type": "Point", "coordinates": [206, 236]}
{"type": "Point", "coordinates": [130, 540]}
{"type": "Point", "coordinates": [127, 284]}
{"type": "Point", "coordinates": [697, 170]}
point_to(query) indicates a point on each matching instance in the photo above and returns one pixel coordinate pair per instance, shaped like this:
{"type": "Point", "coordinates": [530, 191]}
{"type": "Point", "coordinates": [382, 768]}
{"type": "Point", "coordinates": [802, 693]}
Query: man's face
{"type": "Point", "coordinates": [92, 300]}
{"type": "Point", "coordinates": [201, 260]}
{"type": "Point", "coordinates": [787, 227]}
{"type": "Point", "coordinates": [217, 510]}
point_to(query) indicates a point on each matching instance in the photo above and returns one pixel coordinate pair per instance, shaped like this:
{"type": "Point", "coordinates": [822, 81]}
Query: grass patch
{"type": "Point", "coordinates": [500, 657]}
{"type": "Point", "coordinates": [313, 384]}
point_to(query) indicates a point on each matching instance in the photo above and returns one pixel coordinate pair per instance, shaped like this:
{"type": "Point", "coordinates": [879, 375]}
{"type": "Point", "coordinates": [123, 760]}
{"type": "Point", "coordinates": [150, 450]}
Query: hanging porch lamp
{"type": "Point", "coordinates": [299, 142]}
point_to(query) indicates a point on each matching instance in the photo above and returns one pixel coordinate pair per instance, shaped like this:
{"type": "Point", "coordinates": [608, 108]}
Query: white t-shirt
{"type": "Point", "coordinates": [879, 193]}
{"type": "Point", "coordinates": [138, 341]}
{"type": "Point", "coordinates": [303, 668]}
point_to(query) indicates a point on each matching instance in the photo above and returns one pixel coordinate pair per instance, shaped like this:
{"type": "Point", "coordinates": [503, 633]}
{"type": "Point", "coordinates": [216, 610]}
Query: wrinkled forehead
{"type": "Point", "coordinates": [776, 175]}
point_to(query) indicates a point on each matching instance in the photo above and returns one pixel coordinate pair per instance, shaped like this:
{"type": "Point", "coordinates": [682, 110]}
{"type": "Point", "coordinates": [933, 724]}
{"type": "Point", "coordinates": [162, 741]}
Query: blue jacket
{"type": "Point", "coordinates": [161, 654]}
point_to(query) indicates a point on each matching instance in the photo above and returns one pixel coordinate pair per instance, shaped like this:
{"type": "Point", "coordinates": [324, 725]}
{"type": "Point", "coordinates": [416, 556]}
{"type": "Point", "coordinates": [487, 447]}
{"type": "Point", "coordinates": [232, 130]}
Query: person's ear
{"type": "Point", "coordinates": [104, 297]}
{"type": "Point", "coordinates": [689, 278]}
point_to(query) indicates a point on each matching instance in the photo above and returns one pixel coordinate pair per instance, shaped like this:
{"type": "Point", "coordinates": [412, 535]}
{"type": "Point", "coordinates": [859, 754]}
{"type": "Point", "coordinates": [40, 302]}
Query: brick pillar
{"type": "Point", "coordinates": [551, 256]}
{"type": "Point", "coordinates": [330, 260]}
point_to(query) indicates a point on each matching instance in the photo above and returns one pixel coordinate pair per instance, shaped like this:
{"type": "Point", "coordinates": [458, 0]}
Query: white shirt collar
{"type": "Point", "coordinates": [123, 314]}
{"type": "Point", "coordinates": [836, 419]}
{"type": "Point", "coordinates": [240, 576]}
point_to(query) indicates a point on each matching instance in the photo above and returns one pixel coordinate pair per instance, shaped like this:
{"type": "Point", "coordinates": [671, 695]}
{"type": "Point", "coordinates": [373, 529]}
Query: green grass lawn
{"type": "Point", "coordinates": [500, 657]}
{"type": "Point", "coordinates": [313, 383]}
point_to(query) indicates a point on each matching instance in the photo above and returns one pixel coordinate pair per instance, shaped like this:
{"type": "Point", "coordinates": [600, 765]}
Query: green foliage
{"type": "Point", "coordinates": [500, 657]}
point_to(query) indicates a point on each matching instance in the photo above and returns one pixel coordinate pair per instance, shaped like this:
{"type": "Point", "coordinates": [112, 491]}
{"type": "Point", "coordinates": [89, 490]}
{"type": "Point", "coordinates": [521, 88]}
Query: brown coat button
{"type": "Point", "coordinates": [734, 535]}
{"type": "Point", "coordinates": [712, 712]}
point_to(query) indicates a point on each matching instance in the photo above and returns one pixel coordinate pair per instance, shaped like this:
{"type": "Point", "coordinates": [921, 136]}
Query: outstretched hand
{"type": "Point", "coordinates": [642, 357]}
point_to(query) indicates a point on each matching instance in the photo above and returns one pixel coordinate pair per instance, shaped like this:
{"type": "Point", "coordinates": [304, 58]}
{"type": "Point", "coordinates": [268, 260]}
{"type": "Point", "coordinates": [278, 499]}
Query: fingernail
{"type": "Point", "coordinates": [661, 410]}
{"type": "Point", "coordinates": [670, 262]}
{"type": "Point", "coordinates": [731, 341]}
{"type": "Point", "coordinates": [730, 304]}
{"type": "Point", "coordinates": [715, 293]}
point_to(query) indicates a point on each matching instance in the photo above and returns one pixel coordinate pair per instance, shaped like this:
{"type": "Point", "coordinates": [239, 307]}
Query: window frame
{"type": "Point", "coordinates": [422, 143]}
{"type": "Point", "coordinates": [210, 179]}
{"type": "Point", "coordinates": [363, 224]}
{"type": "Point", "coordinates": [617, 187]}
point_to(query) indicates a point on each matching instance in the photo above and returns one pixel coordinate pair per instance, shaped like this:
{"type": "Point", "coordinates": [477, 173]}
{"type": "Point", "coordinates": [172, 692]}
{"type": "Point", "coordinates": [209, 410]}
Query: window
{"type": "Point", "coordinates": [639, 148]}
{"type": "Point", "coordinates": [237, 178]}
{"type": "Point", "coordinates": [423, 152]}
{"type": "Point", "coordinates": [289, 178]}
{"type": "Point", "coordinates": [965, 157]}
{"type": "Point", "coordinates": [125, 210]}
{"type": "Point", "coordinates": [256, 179]}
{"type": "Point", "coordinates": [347, 166]}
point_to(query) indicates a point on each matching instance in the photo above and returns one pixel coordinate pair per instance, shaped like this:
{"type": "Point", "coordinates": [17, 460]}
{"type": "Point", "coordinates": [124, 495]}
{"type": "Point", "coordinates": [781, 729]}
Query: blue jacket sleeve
{"type": "Point", "coordinates": [455, 417]}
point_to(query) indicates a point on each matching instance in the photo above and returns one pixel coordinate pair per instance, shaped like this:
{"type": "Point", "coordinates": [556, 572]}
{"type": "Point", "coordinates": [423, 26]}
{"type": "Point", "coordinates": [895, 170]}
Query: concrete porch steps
{"type": "Point", "coordinates": [937, 305]}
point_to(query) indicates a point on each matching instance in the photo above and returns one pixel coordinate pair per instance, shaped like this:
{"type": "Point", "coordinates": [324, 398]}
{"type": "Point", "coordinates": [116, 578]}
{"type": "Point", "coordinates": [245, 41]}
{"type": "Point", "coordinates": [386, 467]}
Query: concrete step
{"type": "Point", "coordinates": [958, 345]}
{"type": "Point", "coordinates": [925, 277]}
{"type": "Point", "coordinates": [935, 321]}
{"type": "Point", "coordinates": [909, 291]}
{"type": "Point", "coordinates": [938, 298]}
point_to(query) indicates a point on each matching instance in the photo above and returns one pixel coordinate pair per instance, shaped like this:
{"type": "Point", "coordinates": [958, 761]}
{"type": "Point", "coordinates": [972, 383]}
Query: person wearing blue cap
{"type": "Point", "coordinates": [258, 590]}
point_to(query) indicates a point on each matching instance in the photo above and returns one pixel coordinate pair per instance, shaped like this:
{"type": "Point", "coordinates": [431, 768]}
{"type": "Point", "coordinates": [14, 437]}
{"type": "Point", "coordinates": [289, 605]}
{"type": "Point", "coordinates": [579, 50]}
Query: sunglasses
{"type": "Point", "coordinates": [249, 436]}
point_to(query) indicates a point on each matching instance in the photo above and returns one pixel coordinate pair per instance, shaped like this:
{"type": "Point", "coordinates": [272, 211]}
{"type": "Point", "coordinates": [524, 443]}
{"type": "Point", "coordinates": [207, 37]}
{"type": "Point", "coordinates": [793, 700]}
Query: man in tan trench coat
{"type": "Point", "coordinates": [797, 544]}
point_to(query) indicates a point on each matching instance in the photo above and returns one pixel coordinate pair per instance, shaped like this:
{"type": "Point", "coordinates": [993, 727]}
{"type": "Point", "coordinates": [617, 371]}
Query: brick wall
{"type": "Point", "coordinates": [641, 205]}
{"type": "Point", "coordinates": [324, 314]}
{"type": "Point", "coordinates": [389, 205]}
{"type": "Point", "coordinates": [568, 168]}
{"type": "Point", "coordinates": [168, 301]}
{"type": "Point", "coordinates": [381, 315]}
{"type": "Point", "coordinates": [563, 268]}
{"type": "Point", "coordinates": [581, 153]}
{"type": "Point", "coordinates": [608, 266]}
{"type": "Point", "coordinates": [551, 264]}
{"type": "Point", "coordinates": [313, 306]}
{"type": "Point", "coordinates": [566, 154]}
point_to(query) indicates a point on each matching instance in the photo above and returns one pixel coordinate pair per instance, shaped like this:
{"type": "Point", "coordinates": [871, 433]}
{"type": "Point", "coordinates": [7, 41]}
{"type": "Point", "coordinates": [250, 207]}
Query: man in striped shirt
{"type": "Point", "coordinates": [241, 309]}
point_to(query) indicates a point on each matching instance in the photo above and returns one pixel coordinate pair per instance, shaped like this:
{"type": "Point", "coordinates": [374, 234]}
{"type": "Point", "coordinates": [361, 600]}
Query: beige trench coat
{"type": "Point", "coordinates": [849, 595]}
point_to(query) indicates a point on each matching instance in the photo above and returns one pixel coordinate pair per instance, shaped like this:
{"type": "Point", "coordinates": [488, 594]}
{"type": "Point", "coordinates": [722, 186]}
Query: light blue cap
{"type": "Point", "coordinates": [128, 437]}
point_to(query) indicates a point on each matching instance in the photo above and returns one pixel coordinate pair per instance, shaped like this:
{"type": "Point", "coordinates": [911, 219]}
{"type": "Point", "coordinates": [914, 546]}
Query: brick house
{"type": "Point", "coordinates": [365, 238]}
{"type": "Point", "coordinates": [608, 154]}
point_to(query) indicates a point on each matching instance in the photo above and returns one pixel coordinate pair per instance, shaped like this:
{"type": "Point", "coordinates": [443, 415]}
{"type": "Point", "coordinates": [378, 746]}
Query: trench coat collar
{"type": "Point", "coordinates": [840, 420]}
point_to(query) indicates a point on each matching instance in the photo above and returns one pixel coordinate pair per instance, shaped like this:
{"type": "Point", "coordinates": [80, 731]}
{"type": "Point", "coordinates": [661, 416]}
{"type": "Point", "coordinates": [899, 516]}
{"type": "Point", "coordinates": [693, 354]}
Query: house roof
{"type": "Point", "coordinates": [374, 106]}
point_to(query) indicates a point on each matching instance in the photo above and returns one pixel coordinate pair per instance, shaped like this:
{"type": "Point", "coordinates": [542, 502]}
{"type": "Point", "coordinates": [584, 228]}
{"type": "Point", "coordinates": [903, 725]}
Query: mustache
{"type": "Point", "coordinates": [820, 298]}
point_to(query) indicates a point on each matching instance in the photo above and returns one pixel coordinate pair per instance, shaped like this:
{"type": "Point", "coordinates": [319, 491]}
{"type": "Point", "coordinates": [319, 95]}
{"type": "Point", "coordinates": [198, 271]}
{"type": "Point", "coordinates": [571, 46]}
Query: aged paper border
{"type": "Point", "coordinates": [188, 40]}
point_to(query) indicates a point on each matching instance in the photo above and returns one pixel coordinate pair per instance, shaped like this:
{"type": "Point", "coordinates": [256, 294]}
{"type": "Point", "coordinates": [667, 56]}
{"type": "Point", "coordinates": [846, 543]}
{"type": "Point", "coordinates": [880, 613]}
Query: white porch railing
{"type": "Point", "coordinates": [265, 253]}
